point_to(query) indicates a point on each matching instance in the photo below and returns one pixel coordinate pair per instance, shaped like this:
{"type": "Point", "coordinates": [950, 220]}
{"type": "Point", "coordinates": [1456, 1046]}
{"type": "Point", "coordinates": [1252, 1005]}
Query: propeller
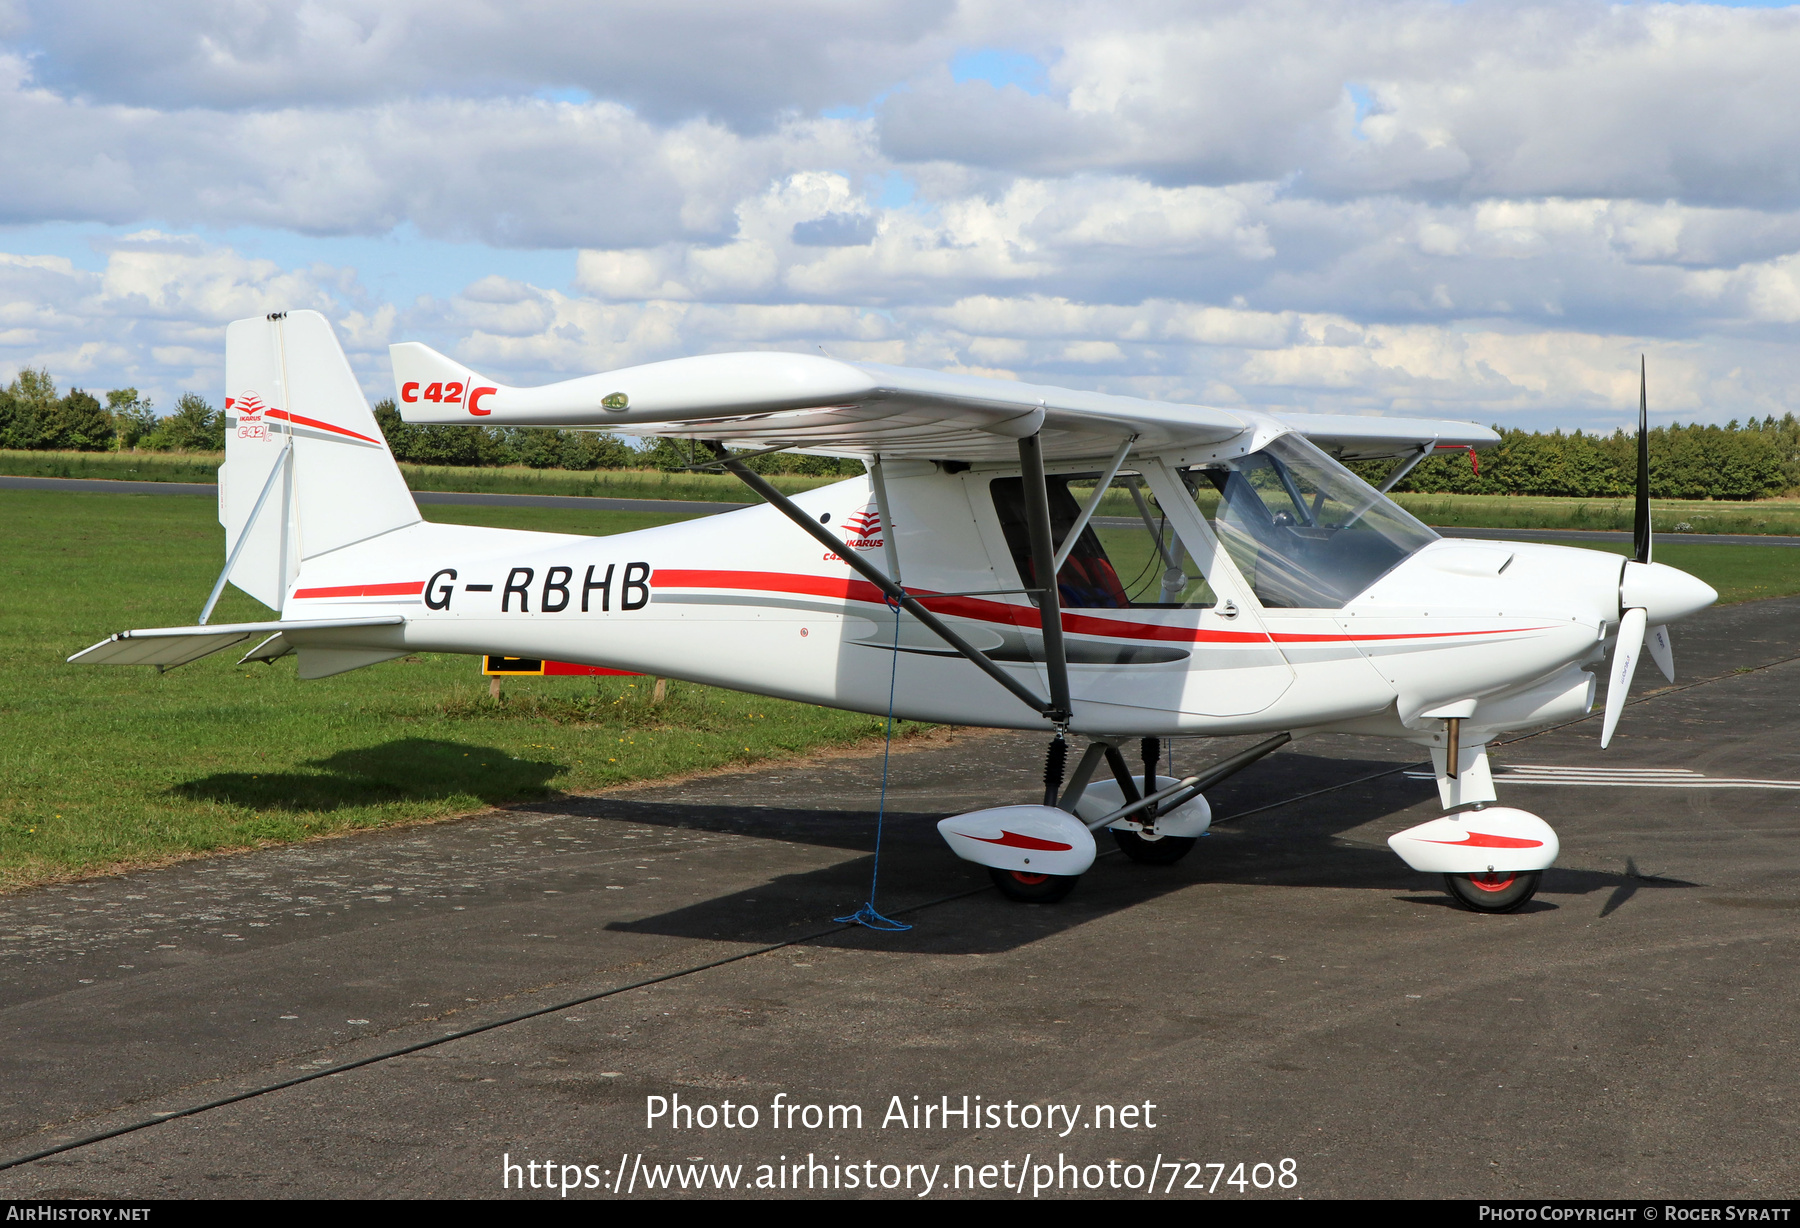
{"type": "Point", "coordinates": [1625, 658]}
{"type": "Point", "coordinates": [1633, 620]}
{"type": "Point", "coordinates": [1657, 640]}
{"type": "Point", "coordinates": [1640, 522]}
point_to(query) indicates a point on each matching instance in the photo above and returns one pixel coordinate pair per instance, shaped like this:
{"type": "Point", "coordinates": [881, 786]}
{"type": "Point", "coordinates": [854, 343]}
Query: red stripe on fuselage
{"type": "Point", "coordinates": [408, 589]}
{"type": "Point", "coordinates": [1016, 615]}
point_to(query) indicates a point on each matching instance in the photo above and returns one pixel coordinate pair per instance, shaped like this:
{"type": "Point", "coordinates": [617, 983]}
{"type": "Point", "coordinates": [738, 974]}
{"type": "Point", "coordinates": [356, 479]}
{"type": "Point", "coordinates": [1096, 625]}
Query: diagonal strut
{"type": "Point", "coordinates": [873, 575]}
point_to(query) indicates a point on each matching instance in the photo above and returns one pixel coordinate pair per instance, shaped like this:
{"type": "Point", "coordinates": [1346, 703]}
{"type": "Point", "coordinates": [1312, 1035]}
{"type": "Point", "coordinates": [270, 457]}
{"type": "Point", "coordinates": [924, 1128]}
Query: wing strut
{"type": "Point", "coordinates": [873, 575]}
{"type": "Point", "coordinates": [1406, 466]}
{"type": "Point", "coordinates": [1087, 509]}
{"type": "Point", "coordinates": [889, 538]}
{"type": "Point", "coordinates": [1044, 572]}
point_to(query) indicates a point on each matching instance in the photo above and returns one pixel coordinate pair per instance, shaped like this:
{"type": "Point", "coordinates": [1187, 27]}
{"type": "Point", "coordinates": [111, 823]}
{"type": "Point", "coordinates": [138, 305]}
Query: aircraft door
{"type": "Point", "coordinates": [1147, 634]}
{"type": "Point", "coordinates": [1306, 536]}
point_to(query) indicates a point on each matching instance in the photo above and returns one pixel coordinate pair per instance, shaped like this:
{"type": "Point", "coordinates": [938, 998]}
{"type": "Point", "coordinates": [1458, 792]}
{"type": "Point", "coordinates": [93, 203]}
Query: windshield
{"type": "Point", "coordinates": [1305, 531]}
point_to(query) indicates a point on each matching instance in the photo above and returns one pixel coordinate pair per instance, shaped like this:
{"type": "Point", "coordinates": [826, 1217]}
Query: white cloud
{"type": "Point", "coordinates": [509, 172]}
{"type": "Point", "coordinates": [1481, 210]}
{"type": "Point", "coordinates": [155, 316]}
{"type": "Point", "coordinates": [1649, 102]}
{"type": "Point", "coordinates": [746, 65]}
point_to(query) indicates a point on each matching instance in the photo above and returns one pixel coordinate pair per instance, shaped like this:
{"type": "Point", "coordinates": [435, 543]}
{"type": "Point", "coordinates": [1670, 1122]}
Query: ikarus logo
{"type": "Point", "coordinates": [249, 407]}
{"type": "Point", "coordinates": [863, 530]}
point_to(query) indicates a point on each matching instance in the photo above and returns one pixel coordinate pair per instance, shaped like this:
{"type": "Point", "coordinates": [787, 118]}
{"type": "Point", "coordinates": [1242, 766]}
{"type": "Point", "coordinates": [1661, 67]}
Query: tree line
{"type": "Point", "coordinates": [34, 418]}
{"type": "Point", "coordinates": [1749, 461]}
{"type": "Point", "coordinates": [542, 448]}
{"type": "Point", "coordinates": [1754, 459]}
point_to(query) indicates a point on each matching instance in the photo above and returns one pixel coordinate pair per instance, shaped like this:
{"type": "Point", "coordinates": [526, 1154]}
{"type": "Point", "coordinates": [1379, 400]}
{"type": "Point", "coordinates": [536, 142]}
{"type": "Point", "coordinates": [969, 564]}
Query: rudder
{"type": "Point", "coordinates": [301, 440]}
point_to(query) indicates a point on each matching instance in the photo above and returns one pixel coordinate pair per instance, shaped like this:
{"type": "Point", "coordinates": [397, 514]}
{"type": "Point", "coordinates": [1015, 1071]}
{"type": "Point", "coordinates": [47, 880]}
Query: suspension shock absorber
{"type": "Point", "coordinates": [1055, 761]}
{"type": "Point", "coordinates": [1152, 749]}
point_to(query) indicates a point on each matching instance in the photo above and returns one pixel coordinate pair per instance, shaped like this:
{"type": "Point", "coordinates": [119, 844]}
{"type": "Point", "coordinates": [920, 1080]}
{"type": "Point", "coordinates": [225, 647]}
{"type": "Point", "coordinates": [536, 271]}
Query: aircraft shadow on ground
{"type": "Point", "coordinates": [1296, 844]}
{"type": "Point", "coordinates": [408, 769]}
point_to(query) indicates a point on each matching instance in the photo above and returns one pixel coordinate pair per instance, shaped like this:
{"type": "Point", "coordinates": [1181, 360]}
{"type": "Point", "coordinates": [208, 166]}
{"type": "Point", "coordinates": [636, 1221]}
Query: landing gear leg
{"type": "Point", "coordinates": [1056, 760]}
{"type": "Point", "coordinates": [1148, 847]}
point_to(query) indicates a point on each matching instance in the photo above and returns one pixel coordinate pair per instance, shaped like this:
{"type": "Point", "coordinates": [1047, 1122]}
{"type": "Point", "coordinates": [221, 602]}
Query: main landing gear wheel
{"type": "Point", "coordinates": [1033, 888]}
{"type": "Point", "coordinates": [1154, 850]}
{"type": "Point", "coordinates": [1495, 891]}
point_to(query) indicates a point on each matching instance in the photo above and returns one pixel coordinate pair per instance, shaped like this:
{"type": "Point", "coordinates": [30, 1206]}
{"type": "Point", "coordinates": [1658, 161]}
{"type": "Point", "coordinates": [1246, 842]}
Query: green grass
{"type": "Point", "coordinates": [110, 767]}
{"type": "Point", "coordinates": [119, 466]}
{"type": "Point", "coordinates": [1780, 517]}
{"type": "Point", "coordinates": [509, 479]}
{"type": "Point", "coordinates": [1740, 573]}
{"type": "Point", "coordinates": [1776, 516]}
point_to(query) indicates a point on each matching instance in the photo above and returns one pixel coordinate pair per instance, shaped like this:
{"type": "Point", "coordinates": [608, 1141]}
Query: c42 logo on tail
{"type": "Point", "coordinates": [250, 410]}
{"type": "Point", "coordinates": [448, 392]}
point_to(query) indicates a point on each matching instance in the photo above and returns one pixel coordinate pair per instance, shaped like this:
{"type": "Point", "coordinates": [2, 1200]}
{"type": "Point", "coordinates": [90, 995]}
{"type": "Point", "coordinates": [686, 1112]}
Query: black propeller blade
{"type": "Point", "coordinates": [1640, 525]}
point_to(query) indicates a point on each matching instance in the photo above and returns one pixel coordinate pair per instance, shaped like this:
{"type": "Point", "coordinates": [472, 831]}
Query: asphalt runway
{"type": "Point", "coordinates": [1290, 991]}
{"type": "Point", "coordinates": [109, 486]}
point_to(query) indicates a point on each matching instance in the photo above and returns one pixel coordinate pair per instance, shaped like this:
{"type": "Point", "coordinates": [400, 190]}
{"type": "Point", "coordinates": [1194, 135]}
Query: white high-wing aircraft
{"type": "Point", "coordinates": [1217, 573]}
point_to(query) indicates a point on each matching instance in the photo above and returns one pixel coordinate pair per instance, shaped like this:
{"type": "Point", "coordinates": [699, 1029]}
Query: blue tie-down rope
{"type": "Point", "coordinates": [866, 915]}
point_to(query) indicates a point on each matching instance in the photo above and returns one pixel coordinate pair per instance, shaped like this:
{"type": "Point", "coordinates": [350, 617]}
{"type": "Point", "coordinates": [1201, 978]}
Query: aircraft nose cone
{"type": "Point", "coordinates": [1664, 593]}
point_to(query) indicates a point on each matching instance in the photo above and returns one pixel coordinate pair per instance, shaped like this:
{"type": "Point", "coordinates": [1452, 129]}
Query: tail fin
{"type": "Point", "coordinates": [434, 388]}
{"type": "Point", "coordinates": [306, 467]}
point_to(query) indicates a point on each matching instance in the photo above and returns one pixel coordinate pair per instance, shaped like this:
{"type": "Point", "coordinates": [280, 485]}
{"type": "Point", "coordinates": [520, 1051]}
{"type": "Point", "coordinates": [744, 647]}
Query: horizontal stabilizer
{"type": "Point", "coordinates": [167, 647]}
{"type": "Point", "coordinates": [319, 660]}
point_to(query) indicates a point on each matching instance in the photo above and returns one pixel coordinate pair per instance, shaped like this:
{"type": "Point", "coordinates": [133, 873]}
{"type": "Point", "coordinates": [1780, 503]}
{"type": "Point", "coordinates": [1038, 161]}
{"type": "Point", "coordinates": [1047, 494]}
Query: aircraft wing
{"type": "Point", "coordinates": [812, 403]}
{"type": "Point", "coordinates": [168, 647]}
{"type": "Point", "coordinates": [1365, 437]}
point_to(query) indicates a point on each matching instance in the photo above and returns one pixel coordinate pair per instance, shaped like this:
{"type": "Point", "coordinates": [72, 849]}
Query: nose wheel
{"type": "Point", "coordinates": [1495, 891]}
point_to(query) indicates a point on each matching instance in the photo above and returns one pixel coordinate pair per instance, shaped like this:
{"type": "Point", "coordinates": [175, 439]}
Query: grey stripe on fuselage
{"type": "Point", "coordinates": [1017, 646]}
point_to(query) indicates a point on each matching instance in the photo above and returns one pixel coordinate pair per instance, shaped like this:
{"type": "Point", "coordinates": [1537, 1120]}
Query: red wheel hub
{"type": "Point", "coordinates": [1492, 882]}
{"type": "Point", "coordinates": [1032, 880]}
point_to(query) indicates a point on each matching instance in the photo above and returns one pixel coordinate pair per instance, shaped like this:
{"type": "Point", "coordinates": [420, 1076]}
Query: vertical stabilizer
{"type": "Point", "coordinates": [300, 440]}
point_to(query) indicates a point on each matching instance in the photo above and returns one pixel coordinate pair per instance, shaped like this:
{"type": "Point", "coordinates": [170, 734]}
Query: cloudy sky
{"type": "Point", "coordinates": [1478, 210]}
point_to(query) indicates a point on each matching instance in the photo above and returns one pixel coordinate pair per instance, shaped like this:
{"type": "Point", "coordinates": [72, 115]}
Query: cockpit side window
{"type": "Point", "coordinates": [1305, 532]}
{"type": "Point", "coordinates": [1127, 557]}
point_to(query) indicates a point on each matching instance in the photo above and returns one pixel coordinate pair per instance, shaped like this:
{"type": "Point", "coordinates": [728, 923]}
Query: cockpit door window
{"type": "Point", "coordinates": [1304, 531]}
{"type": "Point", "coordinates": [1128, 556]}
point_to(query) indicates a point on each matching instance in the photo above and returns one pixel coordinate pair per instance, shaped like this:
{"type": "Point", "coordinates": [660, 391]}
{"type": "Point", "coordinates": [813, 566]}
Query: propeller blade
{"type": "Point", "coordinates": [1625, 658]}
{"type": "Point", "coordinates": [1657, 640]}
{"type": "Point", "coordinates": [1640, 523]}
